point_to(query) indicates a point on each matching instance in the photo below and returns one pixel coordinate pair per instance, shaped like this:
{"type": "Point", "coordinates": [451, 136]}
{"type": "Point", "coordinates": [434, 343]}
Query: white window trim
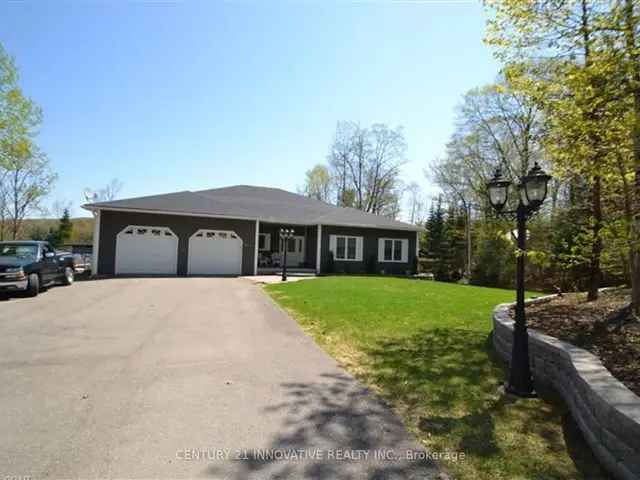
{"type": "Point", "coordinates": [267, 242]}
{"type": "Point", "coordinates": [404, 252]}
{"type": "Point", "coordinates": [216, 232]}
{"type": "Point", "coordinates": [333, 242]}
{"type": "Point", "coordinates": [147, 227]}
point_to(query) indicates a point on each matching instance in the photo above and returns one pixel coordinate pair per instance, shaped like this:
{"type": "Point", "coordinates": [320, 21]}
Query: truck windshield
{"type": "Point", "coordinates": [19, 251]}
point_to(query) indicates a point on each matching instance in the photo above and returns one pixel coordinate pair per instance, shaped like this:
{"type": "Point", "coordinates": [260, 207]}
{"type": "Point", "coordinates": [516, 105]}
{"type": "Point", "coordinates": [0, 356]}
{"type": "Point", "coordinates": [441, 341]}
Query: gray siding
{"type": "Point", "coordinates": [369, 249]}
{"type": "Point", "coordinates": [112, 222]}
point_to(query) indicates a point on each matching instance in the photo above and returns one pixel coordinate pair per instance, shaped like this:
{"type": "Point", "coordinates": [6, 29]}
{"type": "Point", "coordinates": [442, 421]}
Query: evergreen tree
{"type": "Point", "coordinates": [62, 234]}
{"type": "Point", "coordinates": [435, 243]}
{"type": "Point", "coordinates": [455, 244]}
{"type": "Point", "coordinates": [65, 228]}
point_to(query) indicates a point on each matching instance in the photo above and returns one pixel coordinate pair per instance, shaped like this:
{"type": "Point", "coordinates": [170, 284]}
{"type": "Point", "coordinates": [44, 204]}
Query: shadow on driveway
{"type": "Point", "coordinates": [326, 418]}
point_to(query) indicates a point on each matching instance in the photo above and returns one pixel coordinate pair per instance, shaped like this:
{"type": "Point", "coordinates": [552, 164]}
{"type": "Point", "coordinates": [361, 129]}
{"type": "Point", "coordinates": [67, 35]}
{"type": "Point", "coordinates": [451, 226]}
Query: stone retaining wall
{"type": "Point", "coordinates": [607, 412]}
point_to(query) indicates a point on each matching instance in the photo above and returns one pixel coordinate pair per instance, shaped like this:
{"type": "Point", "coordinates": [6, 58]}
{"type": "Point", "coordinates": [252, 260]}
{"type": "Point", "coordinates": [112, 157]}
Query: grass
{"type": "Point", "coordinates": [425, 348]}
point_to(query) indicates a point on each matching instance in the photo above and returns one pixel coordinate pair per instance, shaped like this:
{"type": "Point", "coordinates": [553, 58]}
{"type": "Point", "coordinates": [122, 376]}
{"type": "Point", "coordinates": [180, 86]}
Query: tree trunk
{"type": "Point", "coordinates": [595, 273]}
{"type": "Point", "coordinates": [635, 242]}
{"type": "Point", "coordinates": [631, 23]}
{"type": "Point", "coordinates": [627, 198]}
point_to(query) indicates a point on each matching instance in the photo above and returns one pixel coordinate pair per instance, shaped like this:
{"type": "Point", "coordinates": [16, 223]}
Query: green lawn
{"type": "Point", "coordinates": [424, 347]}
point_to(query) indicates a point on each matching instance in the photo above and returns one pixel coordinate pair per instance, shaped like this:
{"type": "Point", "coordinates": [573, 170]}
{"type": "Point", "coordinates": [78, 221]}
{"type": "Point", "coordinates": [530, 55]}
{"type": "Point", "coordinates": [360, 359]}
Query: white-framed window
{"type": "Point", "coordinates": [264, 241]}
{"type": "Point", "coordinates": [346, 248]}
{"type": "Point", "coordinates": [393, 250]}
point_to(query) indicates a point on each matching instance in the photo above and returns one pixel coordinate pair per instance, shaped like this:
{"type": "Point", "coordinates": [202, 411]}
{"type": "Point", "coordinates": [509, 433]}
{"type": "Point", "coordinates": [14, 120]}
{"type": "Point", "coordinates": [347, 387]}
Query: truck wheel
{"type": "Point", "coordinates": [33, 285]}
{"type": "Point", "coordinates": [68, 276]}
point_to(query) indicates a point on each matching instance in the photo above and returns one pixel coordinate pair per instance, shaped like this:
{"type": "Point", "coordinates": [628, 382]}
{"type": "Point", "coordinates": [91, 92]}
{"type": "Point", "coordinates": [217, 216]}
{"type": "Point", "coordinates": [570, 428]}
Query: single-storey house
{"type": "Point", "coordinates": [235, 231]}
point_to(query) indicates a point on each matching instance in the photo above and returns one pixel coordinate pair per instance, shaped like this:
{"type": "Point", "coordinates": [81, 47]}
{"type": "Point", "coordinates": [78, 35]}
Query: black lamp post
{"type": "Point", "coordinates": [532, 190]}
{"type": "Point", "coordinates": [285, 236]}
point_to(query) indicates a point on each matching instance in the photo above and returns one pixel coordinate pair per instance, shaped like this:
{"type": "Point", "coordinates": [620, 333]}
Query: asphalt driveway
{"type": "Point", "coordinates": [182, 377]}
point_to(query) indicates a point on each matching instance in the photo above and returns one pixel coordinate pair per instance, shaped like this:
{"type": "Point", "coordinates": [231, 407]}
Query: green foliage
{"type": "Point", "coordinates": [444, 243]}
{"type": "Point", "coordinates": [348, 198]}
{"type": "Point", "coordinates": [329, 266]}
{"type": "Point", "coordinates": [40, 228]}
{"type": "Point", "coordinates": [495, 256]}
{"type": "Point", "coordinates": [371, 265]}
{"type": "Point", "coordinates": [436, 242]}
{"type": "Point", "coordinates": [579, 62]}
{"type": "Point", "coordinates": [66, 226]}
{"type": "Point", "coordinates": [38, 233]}
{"type": "Point", "coordinates": [318, 183]}
{"type": "Point", "coordinates": [455, 241]}
{"type": "Point", "coordinates": [61, 234]}
{"type": "Point", "coordinates": [25, 175]}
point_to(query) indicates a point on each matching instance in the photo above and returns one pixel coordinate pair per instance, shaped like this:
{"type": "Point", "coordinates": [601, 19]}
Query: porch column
{"type": "Point", "coordinates": [96, 243]}
{"type": "Point", "coordinates": [255, 248]}
{"type": "Point", "coordinates": [318, 248]}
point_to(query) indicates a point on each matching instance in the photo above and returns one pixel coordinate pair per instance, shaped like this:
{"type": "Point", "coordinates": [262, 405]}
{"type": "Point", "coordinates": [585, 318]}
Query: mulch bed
{"type": "Point", "coordinates": [604, 327]}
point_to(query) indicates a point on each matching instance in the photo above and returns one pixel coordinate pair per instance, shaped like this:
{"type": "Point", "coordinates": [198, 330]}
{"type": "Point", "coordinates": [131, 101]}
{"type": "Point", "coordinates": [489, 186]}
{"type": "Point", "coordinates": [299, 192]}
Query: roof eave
{"type": "Point", "coordinates": [92, 207]}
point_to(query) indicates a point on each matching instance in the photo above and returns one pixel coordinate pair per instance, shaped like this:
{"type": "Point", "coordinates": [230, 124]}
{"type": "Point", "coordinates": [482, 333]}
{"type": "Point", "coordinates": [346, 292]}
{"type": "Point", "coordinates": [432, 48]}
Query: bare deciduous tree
{"type": "Point", "coordinates": [365, 164]}
{"type": "Point", "coordinates": [109, 192]}
{"type": "Point", "coordinates": [416, 204]}
{"type": "Point", "coordinates": [28, 180]}
{"type": "Point", "coordinates": [494, 127]}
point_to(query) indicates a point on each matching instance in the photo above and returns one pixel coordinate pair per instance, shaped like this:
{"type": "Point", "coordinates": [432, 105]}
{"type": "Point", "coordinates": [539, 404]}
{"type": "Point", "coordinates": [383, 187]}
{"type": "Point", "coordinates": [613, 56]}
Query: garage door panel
{"type": "Point", "coordinates": [146, 250]}
{"type": "Point", "coordinates": [215, 252]}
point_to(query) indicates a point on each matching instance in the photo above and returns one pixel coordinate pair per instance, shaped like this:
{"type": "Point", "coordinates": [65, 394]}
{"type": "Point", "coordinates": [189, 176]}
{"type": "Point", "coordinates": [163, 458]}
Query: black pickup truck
{"type": "Point", "coordinates": [27, 266]}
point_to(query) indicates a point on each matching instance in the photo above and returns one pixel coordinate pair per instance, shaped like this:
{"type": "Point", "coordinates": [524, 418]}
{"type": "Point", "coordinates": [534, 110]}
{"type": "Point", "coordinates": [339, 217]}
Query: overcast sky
{"type": "Point", "coordinates": [187, 95]}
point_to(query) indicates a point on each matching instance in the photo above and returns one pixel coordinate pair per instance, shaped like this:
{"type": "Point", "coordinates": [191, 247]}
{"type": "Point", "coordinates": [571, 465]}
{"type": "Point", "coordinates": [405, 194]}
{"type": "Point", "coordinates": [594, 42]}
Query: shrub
{"type": "Point", "coordinates": [329, 266]}
{"type": "Point", "coordinates": [372, 264]}
{"type": "Point", "coordinates": [414, 266]}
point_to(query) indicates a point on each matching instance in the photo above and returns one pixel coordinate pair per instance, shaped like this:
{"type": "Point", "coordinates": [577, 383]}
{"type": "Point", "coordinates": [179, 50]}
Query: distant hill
{"type": "Point", "coordinates": [39, 227]}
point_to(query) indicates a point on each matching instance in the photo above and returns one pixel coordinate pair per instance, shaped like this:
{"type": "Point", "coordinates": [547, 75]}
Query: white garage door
{"type": "Point", "coordinates": [146, 250]}
{"type": "Point", "coordinates": [215, 252]}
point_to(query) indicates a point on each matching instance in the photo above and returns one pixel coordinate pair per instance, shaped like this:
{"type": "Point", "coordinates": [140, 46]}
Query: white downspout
{"type": "Point", "coordinates": [96, 243]}
{"type": "Point", "coordinates": [255, 251]}
{"type": "Point", "coordinates": [318, 248]}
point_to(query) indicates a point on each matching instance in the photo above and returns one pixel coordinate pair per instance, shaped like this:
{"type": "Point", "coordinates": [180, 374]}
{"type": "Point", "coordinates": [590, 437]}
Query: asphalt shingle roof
{"type": "Point", "coordinates": [261, 203]}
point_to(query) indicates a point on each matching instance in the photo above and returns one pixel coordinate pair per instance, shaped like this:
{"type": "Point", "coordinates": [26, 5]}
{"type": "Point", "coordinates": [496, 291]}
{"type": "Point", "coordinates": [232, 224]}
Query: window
{"type": "Point", "coordinates": [351, 248]}
{"type": "Point", "coordinates": [393, 250]}
{"type": "Point", "coordinates": [16, 250]}
{"type": "Point", "coordinates": [397, 250]}
{"type": "Point", "coordinates": [264, 241]}
{"type": "Point", "coordinates": [147, 231]}
{"type": "Point", "coordinates": [388, 249]}
{"type": "Point", "coordinates": [346, 248]}
{"type": "Point", "coordinates": [340, 247]}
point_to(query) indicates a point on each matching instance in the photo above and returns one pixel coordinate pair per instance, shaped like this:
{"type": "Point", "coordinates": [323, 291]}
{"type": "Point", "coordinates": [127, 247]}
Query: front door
{"type": "Point", "coordinates": [295, 251]}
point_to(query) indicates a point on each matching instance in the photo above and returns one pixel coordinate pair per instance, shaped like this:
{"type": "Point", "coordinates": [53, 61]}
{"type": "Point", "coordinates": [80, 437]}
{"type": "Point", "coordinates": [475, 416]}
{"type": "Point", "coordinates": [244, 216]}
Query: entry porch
{"type": "Point", "coordinates": [301, 249]}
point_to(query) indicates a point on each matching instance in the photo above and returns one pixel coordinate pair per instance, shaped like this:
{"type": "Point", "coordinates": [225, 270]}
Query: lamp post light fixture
{"type": "Point", "coordinates": [285, 236]}
{"type": "Point", "coordinates": [532, 191]}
